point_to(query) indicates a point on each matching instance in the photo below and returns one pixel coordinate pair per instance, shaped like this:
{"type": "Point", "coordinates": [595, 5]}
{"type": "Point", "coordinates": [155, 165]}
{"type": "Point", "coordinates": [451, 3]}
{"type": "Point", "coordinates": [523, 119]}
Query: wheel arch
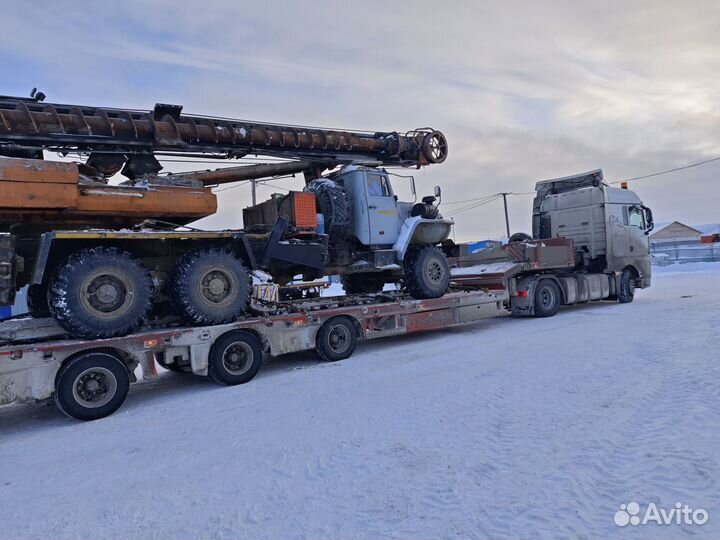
{"type": "Point", "coordinates": [633, 269]}
{"type": "Point", "coordinates": [264, 342]}
{"type": "Point", "coordinates": [128, 360]}
{"type": "Point", "coordinates": [417, 230]}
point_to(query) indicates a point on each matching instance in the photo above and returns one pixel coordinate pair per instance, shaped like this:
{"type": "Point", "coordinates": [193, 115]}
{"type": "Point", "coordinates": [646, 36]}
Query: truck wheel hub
{"type": "Point", "coordinates": [106, 294]}
{"type": "Point", "coordinates": [94, 387]}
{"type": "Point", "coordinates": [237, 358]}
{"type": "Point", "coordinates": [215, 286]}
{"type": "Point", "coordinates": [435, 271]}
{"type": "Point", "coordinates": [339, 338]}
{"type": "Point", "coordinates": [547, 297]}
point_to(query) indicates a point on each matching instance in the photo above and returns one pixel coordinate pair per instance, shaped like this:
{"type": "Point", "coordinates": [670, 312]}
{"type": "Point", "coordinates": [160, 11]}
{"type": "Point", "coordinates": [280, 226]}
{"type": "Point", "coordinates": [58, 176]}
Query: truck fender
{"type": "Point", "coordinates": [437, 230]}
{"type": "Point", "coordinates": [524, 304]}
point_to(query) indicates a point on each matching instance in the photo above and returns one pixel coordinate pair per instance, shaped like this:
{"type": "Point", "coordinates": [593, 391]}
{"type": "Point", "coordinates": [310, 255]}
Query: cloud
{"type": "Point", "coordinates": [524, 90]}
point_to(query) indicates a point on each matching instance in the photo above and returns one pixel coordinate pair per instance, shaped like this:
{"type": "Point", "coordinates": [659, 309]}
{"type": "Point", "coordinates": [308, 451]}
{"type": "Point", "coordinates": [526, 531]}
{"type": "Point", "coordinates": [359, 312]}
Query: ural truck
{"type": "Point", "coordinates": [105, 259]}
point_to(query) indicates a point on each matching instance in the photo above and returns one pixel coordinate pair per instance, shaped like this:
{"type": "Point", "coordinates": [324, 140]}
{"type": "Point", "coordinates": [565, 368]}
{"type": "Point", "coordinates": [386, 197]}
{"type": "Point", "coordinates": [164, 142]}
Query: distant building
{"type": "Point", "coordinates": [675, 232]}
{"type": "Point", "coordinates": [678, 243]}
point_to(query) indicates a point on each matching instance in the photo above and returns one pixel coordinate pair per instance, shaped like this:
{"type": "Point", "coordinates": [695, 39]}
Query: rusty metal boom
{"type": "Point", "coordinates": [117, 138]}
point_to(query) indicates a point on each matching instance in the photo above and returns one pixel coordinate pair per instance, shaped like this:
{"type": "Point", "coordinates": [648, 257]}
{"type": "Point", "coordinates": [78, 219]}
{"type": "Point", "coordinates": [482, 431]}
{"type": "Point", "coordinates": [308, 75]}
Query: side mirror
{"type": "Point", "coordinates": [649, 223]}
{"type": "Point", "coordinates": [438, 192]}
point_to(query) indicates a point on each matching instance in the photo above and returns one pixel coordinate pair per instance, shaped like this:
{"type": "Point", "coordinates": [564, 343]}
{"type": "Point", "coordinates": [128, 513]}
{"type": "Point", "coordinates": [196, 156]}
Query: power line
{"type": "Point", "coordinates": [691, 165]}
{"type": "Point", "coordinates": [632, 179]}
{"type": "Point", "coordinates": [273, 186]}
{"type": "Point", "coordinates": [257, 181]}
{"type": "Point", "coordinates": [476, 205]}
{"type": "Point", "coordinates": [477, 199]}
{"type": "Point", "coordinates": [239, 183]}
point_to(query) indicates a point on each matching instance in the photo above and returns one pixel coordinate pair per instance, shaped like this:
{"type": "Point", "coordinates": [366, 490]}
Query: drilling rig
{"type": "Point", "coordinates": [102, 258]}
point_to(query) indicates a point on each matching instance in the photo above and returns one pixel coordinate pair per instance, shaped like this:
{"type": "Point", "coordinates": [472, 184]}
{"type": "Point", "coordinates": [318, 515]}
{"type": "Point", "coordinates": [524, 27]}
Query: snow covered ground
{"type": "Point", "coordinates": [511, 428]}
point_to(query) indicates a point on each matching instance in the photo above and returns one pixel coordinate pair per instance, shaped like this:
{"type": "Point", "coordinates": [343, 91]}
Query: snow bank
{"type": "Point", "coordinates": [511, 428]}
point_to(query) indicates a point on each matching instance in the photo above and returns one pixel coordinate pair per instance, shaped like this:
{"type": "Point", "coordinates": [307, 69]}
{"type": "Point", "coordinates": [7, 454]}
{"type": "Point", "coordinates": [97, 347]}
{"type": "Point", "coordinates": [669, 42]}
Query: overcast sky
{"type": "Point", "coordinates": [524, 91]}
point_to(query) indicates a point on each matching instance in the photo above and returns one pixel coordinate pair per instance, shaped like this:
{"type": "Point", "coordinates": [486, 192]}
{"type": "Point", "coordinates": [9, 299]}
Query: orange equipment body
{"type": "Point", "coordinates": [55, 194]}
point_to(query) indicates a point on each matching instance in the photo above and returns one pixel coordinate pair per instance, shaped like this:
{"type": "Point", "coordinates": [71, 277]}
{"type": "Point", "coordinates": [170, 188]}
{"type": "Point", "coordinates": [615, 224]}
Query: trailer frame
{"type": "Point", "coordinates": [31, 371]}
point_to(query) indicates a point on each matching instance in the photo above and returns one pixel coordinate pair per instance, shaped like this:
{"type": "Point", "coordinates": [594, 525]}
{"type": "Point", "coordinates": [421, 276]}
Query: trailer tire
{"type": "Point", "coordinates": [362, 284]}
{"type": "Point", "coordinates": [235, 358]}
{"type": "Point", "coordinates": [547, 298]}
{"type": "Point", "coordinates": [100, 293]}
{"type": "Point", "coordinates": [427, 273]}
{"type": "Point", "coordinates": [627, 287]}
{"type": "Point", "coordinates": [210, 286]}
{"type": "Point", "coordinates": [92, 385]}
{"type": "Point", "coordinates": [336, 339]}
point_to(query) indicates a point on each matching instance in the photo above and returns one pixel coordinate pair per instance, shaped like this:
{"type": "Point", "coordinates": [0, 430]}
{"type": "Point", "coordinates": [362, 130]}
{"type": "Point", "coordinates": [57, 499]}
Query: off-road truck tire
{"type": "Point", "coordinates": [100, 292]}
{"type": "Point", "coordinates": [427, 272]}
{"type": "Point", "coordinates": [334, 205]}
{"type": "Point", "coordinates": [37, 301]}
{"type": "Point", "coordinates": [210, 286]}
{"type": "Point", "coordinates": [362, 284]}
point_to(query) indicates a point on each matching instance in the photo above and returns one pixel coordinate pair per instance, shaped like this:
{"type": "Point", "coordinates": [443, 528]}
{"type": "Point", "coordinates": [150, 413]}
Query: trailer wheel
{"type": "Point", "coordinates": [235, 358]}
{"type": "Point", "coordinates": [100, 293]}
{"type": "Point", "coordinates": [210, 286]}
{"type": "Point", "coordinates": [336, 339]}
{"type": "Point", "coordinates": [362, 284]}
{"type": "Point", "coordinates": [427, 273]}
{"type": "Point", "coordinates": [627, 287]}
{"type": "Point", "coordinates": [91, 386]}
{"type": "Point", "coordinates": [547, 298]}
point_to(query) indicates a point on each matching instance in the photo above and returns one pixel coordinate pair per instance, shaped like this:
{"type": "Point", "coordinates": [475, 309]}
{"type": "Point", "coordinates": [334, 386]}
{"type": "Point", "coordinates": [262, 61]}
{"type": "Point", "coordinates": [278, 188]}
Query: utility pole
{"type": "Point", "coordinates": [507, 220]}
{"type": "Point", "coordinates": [254, 193]}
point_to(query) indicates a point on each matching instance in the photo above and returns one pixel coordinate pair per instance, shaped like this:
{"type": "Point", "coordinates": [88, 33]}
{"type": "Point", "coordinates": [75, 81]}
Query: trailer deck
{"type": "Point", "coordinates": [34, 371]}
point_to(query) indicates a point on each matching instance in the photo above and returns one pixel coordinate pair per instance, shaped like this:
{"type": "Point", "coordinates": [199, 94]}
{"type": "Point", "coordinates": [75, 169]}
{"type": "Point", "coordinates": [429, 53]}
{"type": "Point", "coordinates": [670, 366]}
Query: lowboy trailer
{"type": "Point", "coordinates": [89, 379]}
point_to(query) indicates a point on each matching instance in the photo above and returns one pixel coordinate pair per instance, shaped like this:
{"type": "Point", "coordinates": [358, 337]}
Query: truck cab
{"type": "Point", "coordinates": [374, 206]}
{"type": "Point", "coordinates": [609, 226]}
{"type": "Point", "coordinates": [379, 218]}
